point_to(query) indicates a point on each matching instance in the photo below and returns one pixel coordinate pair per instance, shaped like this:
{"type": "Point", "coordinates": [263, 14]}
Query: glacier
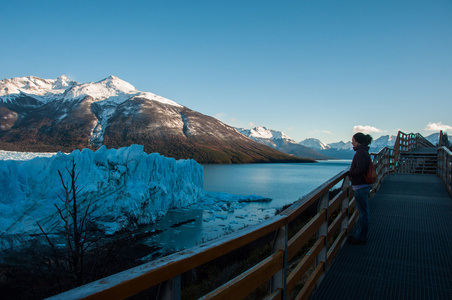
{"type": "Point", "coordinates": [125, 186]}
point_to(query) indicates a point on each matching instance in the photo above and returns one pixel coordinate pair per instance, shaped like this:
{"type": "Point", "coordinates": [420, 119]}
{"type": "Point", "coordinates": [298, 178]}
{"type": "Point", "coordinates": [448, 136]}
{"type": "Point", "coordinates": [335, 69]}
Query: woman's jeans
{"type": "Point", "coordinates": [362, 204]}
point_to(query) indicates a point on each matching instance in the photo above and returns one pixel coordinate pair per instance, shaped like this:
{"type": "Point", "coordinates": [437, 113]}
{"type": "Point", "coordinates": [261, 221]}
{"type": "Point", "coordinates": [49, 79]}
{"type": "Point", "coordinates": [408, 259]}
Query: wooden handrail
{"type": "Point", "coordinates": [303, 266]}
{"type": "Point", "coordinates": [241, 286]}
{"type": "Point", "coordinates": [330, 235]}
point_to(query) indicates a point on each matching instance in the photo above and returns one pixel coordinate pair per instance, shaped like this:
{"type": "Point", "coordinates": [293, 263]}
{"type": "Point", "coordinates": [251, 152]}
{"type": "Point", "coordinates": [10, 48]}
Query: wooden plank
{"type": "Point", "coordinates": [301, 268]}
{"type": "Point", "coordinates": [303, 236]}
{"type": "Point", "coordinates": [248, 281]}
{"type": "Point", "coordinates": [336, 224]}
{"type": "Point", "coordinates": [352, 204]}
{"type": "Point", "coordinates": [336, 246]}
{"type": "Point", "coordinates": [276, 295]}
{"type": "Point", "coordinates": [336, 202]}
{"type": "Point", "coordinates": [310, 284]}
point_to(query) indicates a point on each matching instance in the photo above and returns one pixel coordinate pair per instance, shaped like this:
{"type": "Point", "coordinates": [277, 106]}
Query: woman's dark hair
{"type": "Point", "coordinates": [363, 139]}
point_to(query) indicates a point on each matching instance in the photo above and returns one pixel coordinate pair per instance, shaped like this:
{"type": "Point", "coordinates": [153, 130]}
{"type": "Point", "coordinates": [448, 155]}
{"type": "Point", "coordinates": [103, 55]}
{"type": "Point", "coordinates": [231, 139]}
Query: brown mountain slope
{"type": "Point", "coordinates": [173, 131]}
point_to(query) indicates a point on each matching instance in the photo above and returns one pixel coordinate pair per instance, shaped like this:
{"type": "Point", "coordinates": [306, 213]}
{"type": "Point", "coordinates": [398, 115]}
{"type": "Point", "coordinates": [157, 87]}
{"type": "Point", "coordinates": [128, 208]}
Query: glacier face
{"type": "Point", "coordinates": [124, 186]}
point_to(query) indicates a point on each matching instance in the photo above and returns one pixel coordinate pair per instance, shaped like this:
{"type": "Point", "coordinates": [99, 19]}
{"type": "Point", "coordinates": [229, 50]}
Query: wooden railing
{"type": "Point", "coordinates": [443, 140]}
{"type": "Point", "coordinates": [167, 271]}
{"type": "Point", "coordinates": [444, 169]}
{"type": "Point", "coordinates": [385, 163]}
{"type": "Point", "coordinates": [407, 142]}
{"type": "Point", "coordinates": [409, 162]}
{"type": "Point", "coordinates": [325, 233]}
{"type": "Point", "coordinates": [417, 163]}
{"type": "Point", "coordinates": [329, 234]}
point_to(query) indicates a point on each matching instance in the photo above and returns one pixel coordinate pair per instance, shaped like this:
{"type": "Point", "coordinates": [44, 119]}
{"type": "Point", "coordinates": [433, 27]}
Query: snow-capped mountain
{"type": "Point", "coordinates": [434, 138]}
{"type": "Point", "coordinates": [112, 89]}
{"type": "Point", "coordinates": [383, 141]}
{"type": "Point", "coordinates": [41, 89]}
{"type": "Point", "coordinates": [339, 150]}
{"type": "Point", "coordinates": [261, 132]}
{"type": "Point", "coordinates": [280, 141]}
{"type": "Point", "coordinates": [344, 150]}
{"type": "Point", "coordinates": [314, 144]}
{"type": "Point", "coordinates": [61, 115]}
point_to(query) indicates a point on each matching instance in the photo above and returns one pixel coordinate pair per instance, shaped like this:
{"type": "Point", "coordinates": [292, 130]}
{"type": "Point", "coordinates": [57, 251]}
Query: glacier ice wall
{"type": "Point", "coordinates": [124, 185]}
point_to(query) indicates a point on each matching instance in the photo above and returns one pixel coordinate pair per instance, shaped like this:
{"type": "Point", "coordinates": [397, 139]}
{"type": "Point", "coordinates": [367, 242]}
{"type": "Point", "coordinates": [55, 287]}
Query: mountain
{"type": "Point", "coordinates": [314, 144]}
{"type": "Point", "coordinates": [383, 141]}
{"type": "Point", "coordinates": [281, 142]}
{"type": "Point", "coordinates": [434, 138]}
{"type": "Point", "coordinates": [339, 150]}
{"type": "Point", "coordinates": [342, 150]}
{"type": "Point", "coordinates": [47, 115]}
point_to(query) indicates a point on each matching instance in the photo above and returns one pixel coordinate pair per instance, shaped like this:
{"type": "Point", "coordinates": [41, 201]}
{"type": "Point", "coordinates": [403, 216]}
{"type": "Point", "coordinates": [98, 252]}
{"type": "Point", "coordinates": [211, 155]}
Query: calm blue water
{"type": "Point", "coordinates": [284, 183]}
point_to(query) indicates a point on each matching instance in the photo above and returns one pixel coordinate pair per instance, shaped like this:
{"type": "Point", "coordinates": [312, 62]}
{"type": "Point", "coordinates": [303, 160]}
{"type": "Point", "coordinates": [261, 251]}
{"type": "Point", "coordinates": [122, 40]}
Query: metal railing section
{"type": "Point", "coordinates": [407, 142]}
{"type": "Point", "coordinates": [444, 168]}
{"type": "Point", "coordinates": [417, 164]}
{"type": "Point", "coordinates": [405, 163]}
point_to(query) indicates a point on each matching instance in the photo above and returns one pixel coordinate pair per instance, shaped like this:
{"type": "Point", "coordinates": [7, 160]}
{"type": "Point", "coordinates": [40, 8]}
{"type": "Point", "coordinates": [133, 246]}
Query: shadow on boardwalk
{"type": "Point", "coordinates": [409, 252]}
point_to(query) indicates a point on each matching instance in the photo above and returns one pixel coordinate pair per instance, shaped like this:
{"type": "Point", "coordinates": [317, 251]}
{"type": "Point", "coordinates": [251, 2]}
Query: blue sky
{"type": "Point", "coordinates": [308, 68]}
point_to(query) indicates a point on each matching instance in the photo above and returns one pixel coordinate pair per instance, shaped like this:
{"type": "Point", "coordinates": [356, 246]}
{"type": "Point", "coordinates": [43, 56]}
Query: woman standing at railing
{"type": "Point", "coordinates": [361, 188]}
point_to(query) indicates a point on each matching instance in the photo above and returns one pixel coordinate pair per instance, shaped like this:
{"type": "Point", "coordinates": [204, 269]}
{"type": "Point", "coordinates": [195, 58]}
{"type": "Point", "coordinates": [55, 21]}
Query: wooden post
{"type": "Point", "coordinates": [170, 290]}
{"type": "Point", "coordinates": [397, 147]}
{"type": "Point", "coordinates": [439, 166]}
{"type": "Point", "coordinates": [345, 205]}
{"type": "Point", "coordinates": [323, 231]}
{"type": "Point", "coordinates": [278, 281]}
{"type": "Point", "coordinates": [387, 162]}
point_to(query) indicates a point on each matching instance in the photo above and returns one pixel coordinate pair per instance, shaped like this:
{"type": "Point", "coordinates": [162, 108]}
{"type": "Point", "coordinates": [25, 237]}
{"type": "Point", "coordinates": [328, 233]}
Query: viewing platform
{"type": "Point", "coordinates": [306, 255]}
{"type": "Point", "coordinates": [408, 254]}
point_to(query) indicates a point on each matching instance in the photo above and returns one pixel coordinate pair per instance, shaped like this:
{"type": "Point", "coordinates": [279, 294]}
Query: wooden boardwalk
{"type": "Point", "coordinates": [409, 252]}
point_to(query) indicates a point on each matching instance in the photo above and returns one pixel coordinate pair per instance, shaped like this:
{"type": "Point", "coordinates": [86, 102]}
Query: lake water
{"type": "Point", "coordinates": [283, 183]}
